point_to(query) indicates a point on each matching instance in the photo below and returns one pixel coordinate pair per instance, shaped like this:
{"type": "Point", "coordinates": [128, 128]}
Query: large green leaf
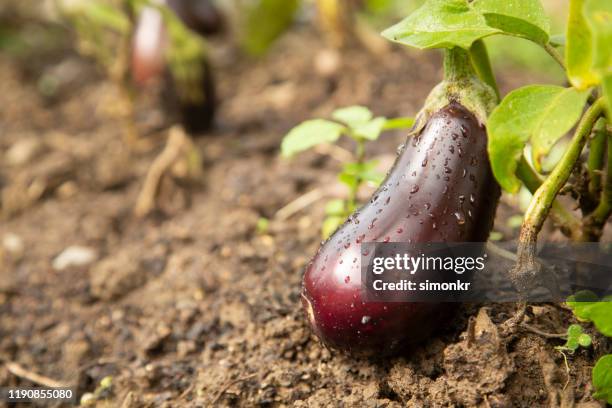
{"type": "Point", "coordinates": [540, 113]}
{"type": "Point", "coordinates": [579, 48]}
{"type": "Point", "coordinates": [440, 24]}
{"type": "Point", "coordinates": [598, 14]}
{"type": "Point", "coordinates": [309, 134]}
{"type": "Point", "coordinates": [449, 23]}
{"type": "Point", "coordinates": [602, 378]}
{"type": "Point", "coordinates": [523, 18]}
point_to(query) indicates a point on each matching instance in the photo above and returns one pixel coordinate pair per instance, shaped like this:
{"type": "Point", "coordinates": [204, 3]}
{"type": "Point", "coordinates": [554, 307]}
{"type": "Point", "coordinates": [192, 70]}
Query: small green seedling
{"type": "Point", "coordinates": [587, 307]}
{"type": "Point", "coordinates": [359, 124]}
{"type": "Point", "coordinates": [575, 338]}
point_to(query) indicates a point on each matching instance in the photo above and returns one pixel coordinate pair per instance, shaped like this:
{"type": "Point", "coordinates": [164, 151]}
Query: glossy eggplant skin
{"type": "Point", "coordinates": [440, 189]}
{"type": "Point", "coordinates": [199, 15]}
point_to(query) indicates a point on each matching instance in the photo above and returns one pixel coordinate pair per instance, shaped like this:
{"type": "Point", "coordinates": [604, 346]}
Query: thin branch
{"type": "Point", "coordinates": [299, 204]}
{"type": "Point", "coordinates": [31, 376]}
{"type": "Point", "coordinates": [552, 51]}
{"type": "Point", "coordinates": [597, 153]}
{"type": "Point", "coordinates": [569, 224]}
{"type": "Point", "coordinates": [594, 223]}
{"type": "Point", "coordinates": [544, 334]}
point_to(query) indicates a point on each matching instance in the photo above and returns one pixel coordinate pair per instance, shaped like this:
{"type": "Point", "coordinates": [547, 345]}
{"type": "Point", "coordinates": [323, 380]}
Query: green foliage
{"type": "Point", "coordinates": [309, 134]}
{"type": "Point", "coordinates": [448, 23]}
{"type": "Point", "coordinates": [525, 18]}
{"type": "Point", "coordinates": [575, 338]}
{"type": "Point", "coordinates": [587, 306]}
{"type": "Point", "coordinates": [265, 20]}
{"type": "Point", "coordinates": [602, 378]}
{"type": "Point", "coordinates": [537, 113]}
{"type": "Point", "coordinates": [100, 26]}
{"type": "Point", "coordinates": [579, 49]}
{"type": "Point", "coordinates": [359, 124]}
{"type": "Point", "coordinates": [598, 14]}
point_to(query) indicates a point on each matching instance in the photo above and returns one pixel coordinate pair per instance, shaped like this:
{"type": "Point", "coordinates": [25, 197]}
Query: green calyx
{"type": "Point", "coordinates": [461, 85]}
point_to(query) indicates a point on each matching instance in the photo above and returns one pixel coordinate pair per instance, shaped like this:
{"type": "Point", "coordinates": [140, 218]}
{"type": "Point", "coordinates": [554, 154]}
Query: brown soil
{"type": "Point", "coordinates": [199, 307]}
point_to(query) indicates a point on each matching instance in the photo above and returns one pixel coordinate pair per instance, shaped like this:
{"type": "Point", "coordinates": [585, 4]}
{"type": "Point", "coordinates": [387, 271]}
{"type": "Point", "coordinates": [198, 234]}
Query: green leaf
{"type": "Point", "coordinates": [449, 23]}
{"type": "Point", "coordinates": [558, 117]}
{"type": "Point", "coordinates": [542, 113]}
{"type": "Point", "coordinates": [399, 123]}
{"type": "Point", "coordinates": [264, 22]}
{"type": "Point", "coordinates": [374, 177]}
{"type": "Point", "coordinates": [572, 344]}
{"type": "Point", "coordinates": [353, 115]}
{"type": "Point", "coordinates": [581, 303]}
{"type": "Point", "coordinates": [106, 15]}
{"type": "Point", "coordinates": [441, 24]}
{"type": "Point", "coordinates": [601, 315]}
{"type": "Point", "coordinates": [522, 18]}
{"type": "Point", "coordinates": [370, 130]}
{"type": "Point", "coordinates": [587, 306]}
{"type": "Point", "coordinates": [598, 14]}
{"type": "Point", "coordinates": [335, 207]}
{"type": "Point", "coordinates": [358, 168]}
{"type": "Point", "coordinates": [585, 340]}
{"type": "Point", "coordinates": [310, 133]}
{"type": "Point", "coordinates": [330, 225]}
{"type": "Point", "coordinates": [574, 330]}
{"type": "Point", "coordinates": [602, 379]}
{"type": "Point", "coordinates": [348, 179]}
{"type": "Point", "coordinates": [579, 48]}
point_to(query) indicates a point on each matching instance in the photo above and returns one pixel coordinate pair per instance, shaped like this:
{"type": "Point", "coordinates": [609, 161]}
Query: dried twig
{"type": "Point", "coordinates": [541, 333]}
{"type": "Point", "coordinates": [299, 204]}
{"type": "Point", "coordinates": [178, 145]}
{"type": "Point", "coordinates": [229, 384]}
{"type": "Point", "coordinates": [21, 372]}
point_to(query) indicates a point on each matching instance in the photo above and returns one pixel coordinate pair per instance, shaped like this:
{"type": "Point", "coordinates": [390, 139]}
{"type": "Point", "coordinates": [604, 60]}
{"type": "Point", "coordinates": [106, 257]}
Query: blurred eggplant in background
{"type": "Point", "coordinates": [168, 46]}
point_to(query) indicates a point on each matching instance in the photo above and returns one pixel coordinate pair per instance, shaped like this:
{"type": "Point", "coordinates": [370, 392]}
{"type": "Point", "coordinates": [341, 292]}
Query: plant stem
{"type": "Point", "coordinates": [360, 155]}
{"type": "Point", "coordinates": [569, 224]}
{"type": "Point", "coordinates": [482, 65]}
{"type": "Point", "coordinates": [552, 51]}
{"type": "Point", "coordinates": [527, 270]}
{"type": "Point", "coordinates": [597, 152]}
{"type": "Point", "coordinates": [594, 223]}
{"type": "Point", "coordinates": [457, 65]}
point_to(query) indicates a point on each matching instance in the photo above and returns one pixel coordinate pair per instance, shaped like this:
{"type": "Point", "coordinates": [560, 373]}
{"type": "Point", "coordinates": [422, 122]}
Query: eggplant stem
{"type": "Point", "coordinates": [594, 223]}
{"type": "Point", "coordinates": [457, 65]}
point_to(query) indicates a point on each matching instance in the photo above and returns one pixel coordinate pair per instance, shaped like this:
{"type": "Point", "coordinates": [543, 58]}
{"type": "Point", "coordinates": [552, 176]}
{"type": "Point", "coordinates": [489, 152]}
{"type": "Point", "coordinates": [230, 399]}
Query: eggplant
{"type": "Point", "coordinates": [195, 113]}
{"type": "Point", "coordinates": [148, 47]}
{"type": "Point", "coordinates": [199, 15]}
{"type": "Point", "coordinates": [440, 189]}
{"type": "Point", "coordinates": [190, 98]}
